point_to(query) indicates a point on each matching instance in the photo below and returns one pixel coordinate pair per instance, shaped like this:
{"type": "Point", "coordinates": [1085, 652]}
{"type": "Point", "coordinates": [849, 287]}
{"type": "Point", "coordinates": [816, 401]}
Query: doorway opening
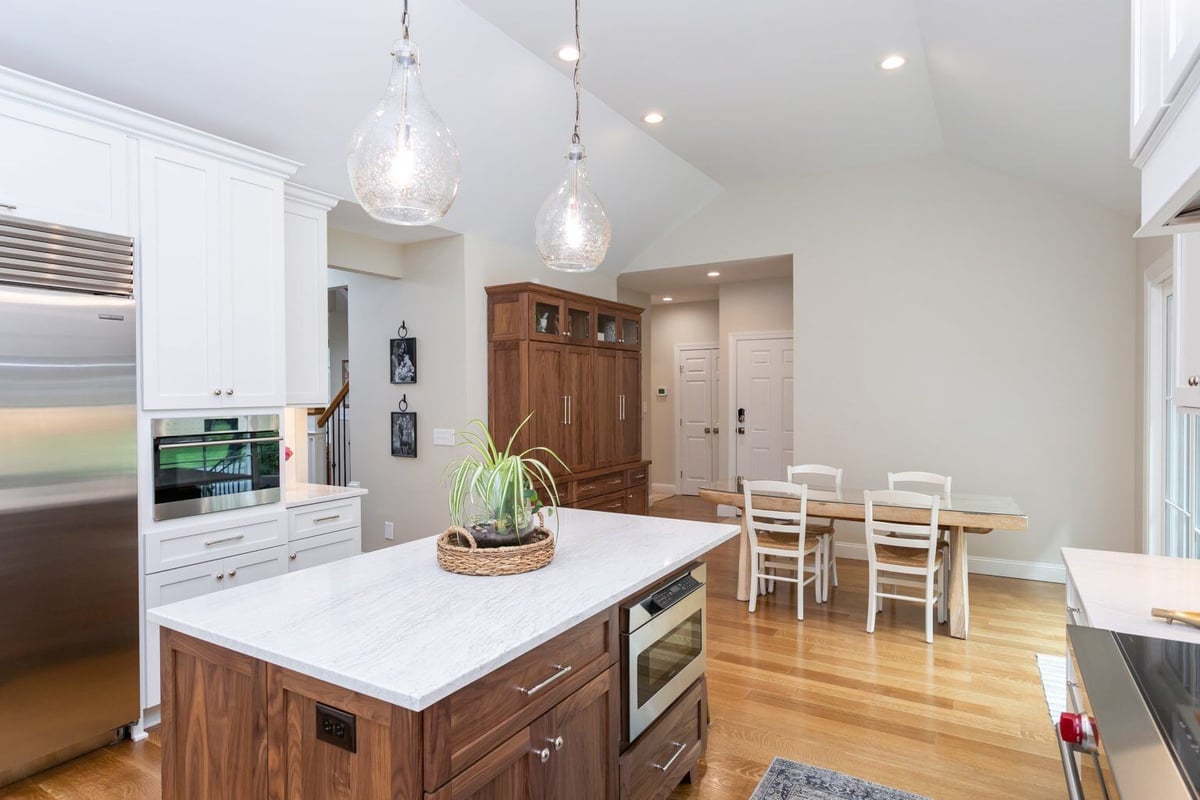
{"type": "Point", "coordinates": [329, 429]}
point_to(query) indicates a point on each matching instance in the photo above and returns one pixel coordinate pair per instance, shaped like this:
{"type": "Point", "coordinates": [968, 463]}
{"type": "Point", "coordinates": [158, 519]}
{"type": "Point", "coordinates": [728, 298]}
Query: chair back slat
{"type": "Point", "coordinates": [822, 470]}
{"type": "Point", "coordinates": [779, 521]}
{"type": "Point", "coordinates": [924, 535]}
{"type": "Point", "coordinates": [932, 479]}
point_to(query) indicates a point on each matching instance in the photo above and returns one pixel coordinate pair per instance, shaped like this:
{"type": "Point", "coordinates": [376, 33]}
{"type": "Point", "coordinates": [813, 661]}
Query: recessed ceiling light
{"type": "Point", "coordinates": [653, 118]}
{"type": "Point", "coordinates": [894, 61]}
{"type": "Point", "coordinates": [668, 299]}
{"type": "Point", "coordinates": [714, 274]}
{"type": "Point", "coordinates": [568, 52]}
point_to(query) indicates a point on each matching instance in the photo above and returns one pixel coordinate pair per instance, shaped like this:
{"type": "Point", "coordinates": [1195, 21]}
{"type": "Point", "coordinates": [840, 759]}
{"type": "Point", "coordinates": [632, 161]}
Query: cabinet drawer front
{"type": "Point", "coordinates": [322, 517]}
{"type": "Point", "coordinates": [675, 742]}
{"type": "Point", "coordinates": [466, 725]}
{"type": "Point", "coordinates": [602, 484]}
{"type": "Point", "coordinates": [166, 550]}
{"type": "Point", "coordinates": [637, 476]}
{"type": "Point", "coordinates": [324, 548]}
{"type": "Point", "coordinates": [614, 503]}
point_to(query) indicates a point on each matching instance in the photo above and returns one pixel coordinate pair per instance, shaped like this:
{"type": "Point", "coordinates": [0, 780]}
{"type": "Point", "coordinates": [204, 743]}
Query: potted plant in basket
{"type": "Point", "coordinates": [494, 504]}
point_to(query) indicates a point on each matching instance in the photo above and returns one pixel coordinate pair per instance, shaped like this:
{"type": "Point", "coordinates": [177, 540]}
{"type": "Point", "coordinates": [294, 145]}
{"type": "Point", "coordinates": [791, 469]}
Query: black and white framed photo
{"type": "Point", "coordinates": [404, 434]}
{"type": "Point", "coordinates": [404, 360]}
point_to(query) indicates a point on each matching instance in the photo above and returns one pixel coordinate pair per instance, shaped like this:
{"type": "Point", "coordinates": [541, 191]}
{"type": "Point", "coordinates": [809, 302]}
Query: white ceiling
{"type": "Point", "coordinates": [692, 284]}
{"type": "Point", "coordinates": [1035, 88]}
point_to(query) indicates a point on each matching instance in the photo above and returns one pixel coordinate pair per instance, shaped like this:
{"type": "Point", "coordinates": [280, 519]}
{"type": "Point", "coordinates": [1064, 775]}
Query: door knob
{"type": "Point", "coordinates": [708, 430]}
{"type": "Point", "coordinates": [741, 429]}
{"type": "Point", "coordinates": [716, 430]}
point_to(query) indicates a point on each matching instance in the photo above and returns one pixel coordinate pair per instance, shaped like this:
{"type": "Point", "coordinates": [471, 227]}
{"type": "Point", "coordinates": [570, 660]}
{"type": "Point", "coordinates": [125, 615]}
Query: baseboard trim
{"type": "Point", "coordinates": [983, 565]}
{"type": "Point", "coordinates": [663, 489]}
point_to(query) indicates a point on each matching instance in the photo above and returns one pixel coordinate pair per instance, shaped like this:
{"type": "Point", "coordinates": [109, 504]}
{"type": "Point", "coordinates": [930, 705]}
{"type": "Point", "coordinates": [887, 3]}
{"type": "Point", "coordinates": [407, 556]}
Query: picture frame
{"type": "Point", "coordinates": [404, 434]}
{"type": "Point", "coordinates": [404, 360]}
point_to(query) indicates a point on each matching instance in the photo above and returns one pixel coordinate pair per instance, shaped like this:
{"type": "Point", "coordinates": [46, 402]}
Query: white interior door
{"type": "Point", "coordinates": [699, 379]}
{"type": "Point", "coordinates": [763, 408]}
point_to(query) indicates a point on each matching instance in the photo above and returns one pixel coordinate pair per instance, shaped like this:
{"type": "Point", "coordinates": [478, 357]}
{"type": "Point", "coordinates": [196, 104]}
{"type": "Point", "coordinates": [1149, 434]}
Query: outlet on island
{"type": "Point", "coordinates": [336, 727]}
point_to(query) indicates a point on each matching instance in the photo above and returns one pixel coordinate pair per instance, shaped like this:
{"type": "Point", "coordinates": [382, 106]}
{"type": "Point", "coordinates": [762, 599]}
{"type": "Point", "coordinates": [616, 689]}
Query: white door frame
{"type": "Point", "coordinates": [731, 391]}
{"type": "Point", "coordinates": [1153, 399]}
{"type": "Point", "coordinates": [679, 348]}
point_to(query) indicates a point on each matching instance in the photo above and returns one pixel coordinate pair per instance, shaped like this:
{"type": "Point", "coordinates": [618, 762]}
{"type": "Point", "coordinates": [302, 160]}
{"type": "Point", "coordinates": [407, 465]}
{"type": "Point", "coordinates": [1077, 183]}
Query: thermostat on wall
{"type": "Point", "coordinates": [661, 391]}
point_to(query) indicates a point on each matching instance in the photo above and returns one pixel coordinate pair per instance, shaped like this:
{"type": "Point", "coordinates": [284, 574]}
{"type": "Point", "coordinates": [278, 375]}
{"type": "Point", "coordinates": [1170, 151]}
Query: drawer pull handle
{"type": "Point", "coordinates": [235, 538]}
{"type": "Point", "coordinates": [679, 748]}
{"type": "Point", "coordinates": [557, 741]}
{"type": "Point", "coordinates": [219, 576]}
{"type": "Point", "coordinates": [543, 754]}
{"type": "Point", "coordinates": [292, 556]}
{"type": "Point", "coordinates": [327, 519]}
{"type": "Point", "coordinates": [563, 669]}
{"type": "Point", "coordinates": [9, 207]}
{"type": "Point", "coordinates": [233, 573]}
{"type": "Point", "coordinates": [615, 481]}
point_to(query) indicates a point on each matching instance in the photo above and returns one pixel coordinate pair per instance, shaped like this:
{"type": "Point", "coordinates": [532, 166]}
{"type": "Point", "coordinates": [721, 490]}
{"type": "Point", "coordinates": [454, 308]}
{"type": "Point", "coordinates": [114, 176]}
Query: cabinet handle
{"type": "Point", "coordinates": [229, 391]}
{"type": "Point", "coordinates": [564, 419]}
{"type": "Point", "coordinates": [570, 411]}
{"type": "Point", "coordinates": [543, 754]}
{"type": "Point", "coordinates": [616, 481]}
{"type": "Point", "coordinates": [1073, 609]}
{"type": "Point", "coordinates": [220, 577]}
{"type": "Point", "coordinates": [9, 207]}
{"type": "Point", "coordinates": [679, 748]}
{"type": "Point", "coordinates": [236, 537]}
{"type": "Point", "coordinates": [562, 670]}
{"type": "Point", "coordinates": [232, 572]}
{"type": "Point", "coordinates": [292, 556]}
{"type": "Point", "coordinates": [327, 519]}
{"type": "Point", "coordinates": [216, 392]}
{"type": "Point", "coordinates": [557, 741]}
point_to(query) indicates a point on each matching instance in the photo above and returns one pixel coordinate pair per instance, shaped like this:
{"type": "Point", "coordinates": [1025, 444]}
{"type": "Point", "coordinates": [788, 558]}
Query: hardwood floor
{"type": "Point", "coordinates": [955, 719]}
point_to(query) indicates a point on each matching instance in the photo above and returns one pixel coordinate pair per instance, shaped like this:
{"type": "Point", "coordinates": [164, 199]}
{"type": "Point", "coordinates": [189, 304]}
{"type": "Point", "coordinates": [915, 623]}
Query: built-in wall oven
{"type": "Point", "coordinates": [662, 648]}
{"type": "Point", "coordinates": [206, 464]}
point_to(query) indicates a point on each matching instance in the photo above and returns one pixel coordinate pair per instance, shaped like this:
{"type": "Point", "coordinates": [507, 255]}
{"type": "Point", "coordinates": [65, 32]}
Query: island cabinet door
{"type": "Point", "coordinates": [548, 399]}
{"type": "Point", "coordinates": [581, 734]}
{"type": "Point", "coordinates": [607, 400]}
{"type": "Point", "coordinates": [512, 771]}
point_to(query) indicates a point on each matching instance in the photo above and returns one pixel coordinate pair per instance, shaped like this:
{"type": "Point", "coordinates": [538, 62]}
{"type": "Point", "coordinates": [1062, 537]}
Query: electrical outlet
{"type": "Point", "coordinates": [336, 727]}
{"type": "Point", "coordinates": [388, 531]}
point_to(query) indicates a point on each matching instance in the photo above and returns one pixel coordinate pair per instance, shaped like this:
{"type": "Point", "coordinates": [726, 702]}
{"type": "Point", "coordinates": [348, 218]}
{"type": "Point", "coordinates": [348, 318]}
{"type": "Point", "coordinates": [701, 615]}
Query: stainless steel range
{"type": "Point", "coordinates": [1141, 718]}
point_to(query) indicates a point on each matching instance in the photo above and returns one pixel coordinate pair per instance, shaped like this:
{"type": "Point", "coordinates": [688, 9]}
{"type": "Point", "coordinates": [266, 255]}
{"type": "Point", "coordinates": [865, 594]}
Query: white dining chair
{"type": "Point", "coordinates": [779, 542]}
{"type": "Point", "coordinates": [904, 555]}
{"type": "Point", "coordinates": [913, 480]}
{"type": "Point", "coordinates": [821, 527]}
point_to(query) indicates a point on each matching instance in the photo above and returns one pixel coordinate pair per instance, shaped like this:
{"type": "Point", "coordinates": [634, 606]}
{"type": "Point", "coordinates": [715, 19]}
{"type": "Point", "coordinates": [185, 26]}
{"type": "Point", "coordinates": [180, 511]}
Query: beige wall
{"type": "Point", "coordinates": [355, 252]}
{"type": "Point", "coordinates": [1153, 256]}
{"type": "Point", "coordinates": [670, 326]}
{"type": "Point", "coordinates": [957, 320]}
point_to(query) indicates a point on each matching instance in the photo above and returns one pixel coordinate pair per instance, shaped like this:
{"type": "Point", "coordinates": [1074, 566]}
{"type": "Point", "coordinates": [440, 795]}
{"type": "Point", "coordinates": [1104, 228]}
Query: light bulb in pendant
{"type": "Point", "coordinates": [403, 162]}
{"type": "Point", "coordinates": [572, 231]}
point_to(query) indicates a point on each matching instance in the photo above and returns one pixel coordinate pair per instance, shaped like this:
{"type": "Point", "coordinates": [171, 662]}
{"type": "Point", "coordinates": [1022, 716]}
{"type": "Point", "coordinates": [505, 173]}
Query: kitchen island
{"type": "Point", "coordinates": [384, 676]}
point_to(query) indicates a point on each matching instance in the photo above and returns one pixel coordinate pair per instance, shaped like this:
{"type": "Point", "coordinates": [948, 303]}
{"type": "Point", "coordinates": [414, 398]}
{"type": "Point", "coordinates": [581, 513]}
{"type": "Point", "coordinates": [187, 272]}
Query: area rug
{"type": "Point", "coordinates": [791, 780]}
{"type": "Point", "coordinates": [1053, 670]}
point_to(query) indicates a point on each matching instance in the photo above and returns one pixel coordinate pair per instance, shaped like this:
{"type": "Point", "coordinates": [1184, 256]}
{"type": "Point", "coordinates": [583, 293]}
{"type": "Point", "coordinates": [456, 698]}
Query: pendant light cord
{"type": "Point", "coordinates": [404, 20]}
{"type": "Point", "coordinates": [578, 58]}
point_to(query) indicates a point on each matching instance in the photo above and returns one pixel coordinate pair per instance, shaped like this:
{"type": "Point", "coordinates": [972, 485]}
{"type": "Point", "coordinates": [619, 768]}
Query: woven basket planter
{"type": "Point", "coordinates": [470, 559]}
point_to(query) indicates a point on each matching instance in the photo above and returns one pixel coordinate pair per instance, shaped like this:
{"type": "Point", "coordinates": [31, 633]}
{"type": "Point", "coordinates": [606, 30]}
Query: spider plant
{"type": "Point", "coordinates": [490, 488]}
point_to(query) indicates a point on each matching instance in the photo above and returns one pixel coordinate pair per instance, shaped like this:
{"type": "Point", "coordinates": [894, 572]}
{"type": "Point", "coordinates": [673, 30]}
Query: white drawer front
{"type": "Point", "coordinates": [176, 548]}
{"type": "Point", "coordinates": [324, 548]}
{"type": "Point", "coordinates": [317, 518]}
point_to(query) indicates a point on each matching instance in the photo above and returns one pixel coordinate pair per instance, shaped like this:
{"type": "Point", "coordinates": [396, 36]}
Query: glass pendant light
{"type": "Point", "coordinates": [572, 231]}
{"type": "Point", "coordinates": [403, 162]}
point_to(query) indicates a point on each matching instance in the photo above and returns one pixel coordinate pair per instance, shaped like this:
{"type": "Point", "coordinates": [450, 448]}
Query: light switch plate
{"type": "Point", "coordinates": [443, 437]}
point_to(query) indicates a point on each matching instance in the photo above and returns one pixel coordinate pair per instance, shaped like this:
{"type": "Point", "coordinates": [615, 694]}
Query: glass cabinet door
{"type": "Point", "coordinates": [607, 327]}
{"type": "Point", "coordinates": [631, 331]}
{"type": "Point", "coordinates": [547, 319]}
{"type": "Point", "coordinates": [579, 323]}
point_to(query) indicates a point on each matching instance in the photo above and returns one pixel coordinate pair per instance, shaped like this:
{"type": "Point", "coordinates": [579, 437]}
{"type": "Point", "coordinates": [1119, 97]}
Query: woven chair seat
{"type": "Point", "coordinates": [820, 528]}
{"type": "Point", "coordinates": [777, 539]}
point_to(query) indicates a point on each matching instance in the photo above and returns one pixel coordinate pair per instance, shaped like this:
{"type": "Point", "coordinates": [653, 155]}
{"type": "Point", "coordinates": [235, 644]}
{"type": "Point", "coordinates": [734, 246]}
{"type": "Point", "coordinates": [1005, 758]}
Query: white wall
{"type": "Point", "coordinates": [957, 320]}
{"type": "Point", "coordinates": [671, 325]}
{"type": "Point", "coordinates": [355, 252]}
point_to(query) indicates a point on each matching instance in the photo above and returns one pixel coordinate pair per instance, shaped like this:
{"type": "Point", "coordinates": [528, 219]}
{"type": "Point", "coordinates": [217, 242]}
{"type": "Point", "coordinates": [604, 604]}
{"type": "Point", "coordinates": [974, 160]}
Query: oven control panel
{"type": "Point", "coordinates": [670, 595]}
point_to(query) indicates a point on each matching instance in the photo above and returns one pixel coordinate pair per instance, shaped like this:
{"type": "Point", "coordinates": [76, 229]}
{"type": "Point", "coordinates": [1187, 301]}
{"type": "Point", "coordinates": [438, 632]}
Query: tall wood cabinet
{"type": "Point", "coordinates": [574, 363]}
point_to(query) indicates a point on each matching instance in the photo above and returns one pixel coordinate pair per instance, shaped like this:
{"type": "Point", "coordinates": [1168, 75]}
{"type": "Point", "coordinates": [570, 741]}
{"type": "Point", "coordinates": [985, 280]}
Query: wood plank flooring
{"type": "Point", "coordinates": [952, 720]}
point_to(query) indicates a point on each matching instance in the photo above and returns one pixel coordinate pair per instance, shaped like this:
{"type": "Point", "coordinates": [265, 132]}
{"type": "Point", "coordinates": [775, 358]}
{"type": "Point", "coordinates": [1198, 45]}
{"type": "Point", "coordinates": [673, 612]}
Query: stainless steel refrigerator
{"type": "Point", "coordinates": [68, 494]}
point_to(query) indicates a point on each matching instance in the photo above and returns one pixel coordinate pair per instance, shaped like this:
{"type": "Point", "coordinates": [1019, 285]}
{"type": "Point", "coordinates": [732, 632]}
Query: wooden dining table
{"type": "Point", "coordinates": [962, 513]}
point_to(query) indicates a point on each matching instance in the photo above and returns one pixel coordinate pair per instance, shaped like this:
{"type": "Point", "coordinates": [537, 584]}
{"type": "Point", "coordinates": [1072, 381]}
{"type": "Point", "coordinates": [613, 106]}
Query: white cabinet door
{"type": "Point", "coordinates": [1181, 44]}
{"type": "Point", "coordinates": [1187, 319]}
{"type": "Point", "coordinates": [323, 548]}
{"type": "Point", "coordinates": [306, 259]}
{"type": "Point", "coordinates": [251, 567]}
{"type": "Point", "coordinates": [61, 169]}
{"type": "Point", "coordinates": [1146, 101]}
{"type": "Point", "coordinates": [171, 587]}
{"type": "Point", "coordinates": [179, 278]}
{"type": "Point", "coordinates": [252, 288]}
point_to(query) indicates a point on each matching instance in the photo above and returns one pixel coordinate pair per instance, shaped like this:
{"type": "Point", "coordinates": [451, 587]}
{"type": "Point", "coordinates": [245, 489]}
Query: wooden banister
{"type": "Point", "coordinates": [338, 400]}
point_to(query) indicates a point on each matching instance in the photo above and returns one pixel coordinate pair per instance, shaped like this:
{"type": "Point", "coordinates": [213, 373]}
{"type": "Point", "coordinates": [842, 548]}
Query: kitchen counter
{"type": "Point", "coordinates": [394, 626]}
{"type": "Point", "coordinates": [303, 494]}
{"type": "Point", "coordinates": [1117, 591]}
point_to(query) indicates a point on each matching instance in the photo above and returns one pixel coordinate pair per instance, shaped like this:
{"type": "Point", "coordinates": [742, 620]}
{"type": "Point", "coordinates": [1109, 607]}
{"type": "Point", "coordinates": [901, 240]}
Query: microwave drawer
{"type": "Point", "coordinates": [193, 545]}
{"type": "Point", "coordinates": [304, 521]}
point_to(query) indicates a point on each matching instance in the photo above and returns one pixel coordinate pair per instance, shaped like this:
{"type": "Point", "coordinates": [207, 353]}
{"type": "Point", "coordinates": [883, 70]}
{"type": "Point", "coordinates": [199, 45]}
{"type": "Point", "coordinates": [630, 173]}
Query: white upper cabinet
{"type": "Point", "coordinates": [58, 168]}
{"type": "Point", "coordinates": [211, 238]}
{"type": "Point", "coordinates": [1181, 44]}
{"type": "Point", "coordinates": [1146, 103]}
{"type": "Point", "coordinates": [1186, 282]}
{"type": "Point", "coordinates": [306, 259]}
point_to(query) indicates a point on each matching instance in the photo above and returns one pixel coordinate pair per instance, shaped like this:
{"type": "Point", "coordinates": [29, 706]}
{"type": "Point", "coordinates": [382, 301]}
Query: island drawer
{"type": "Point", "coordinates": [322, 517]}
{"type": "Point", "coordinates": [668, 750]}
{"type": "Point", "coordinates": [465, 726]}
{"type": "Point", "coordinates": [601, 484]}
{"type": "Point", "coordinates": [637, 476]}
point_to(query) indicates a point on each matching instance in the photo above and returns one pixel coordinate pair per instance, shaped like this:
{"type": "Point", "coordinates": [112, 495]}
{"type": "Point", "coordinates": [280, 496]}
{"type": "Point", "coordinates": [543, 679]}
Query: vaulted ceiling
{"type": "Point", "coordinates": [773, 87]}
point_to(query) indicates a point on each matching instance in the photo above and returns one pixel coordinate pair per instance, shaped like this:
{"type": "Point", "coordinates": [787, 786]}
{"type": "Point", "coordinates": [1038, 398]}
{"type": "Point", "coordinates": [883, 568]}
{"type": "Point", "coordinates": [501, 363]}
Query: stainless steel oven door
{"type": "Point", "coordinates": [665, 657]}
{"type": "Point", "coordinates": [206, 464]}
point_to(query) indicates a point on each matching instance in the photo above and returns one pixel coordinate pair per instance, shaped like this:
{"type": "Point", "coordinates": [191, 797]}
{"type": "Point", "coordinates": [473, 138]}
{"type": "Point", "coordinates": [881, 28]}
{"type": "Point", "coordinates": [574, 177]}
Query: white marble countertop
{"type": "Point", "coordinates": [303, 494]}
{"type": "Point", "coordinates": [393, 625]}
{"type": "Point", "coordinates": [1117, 591]}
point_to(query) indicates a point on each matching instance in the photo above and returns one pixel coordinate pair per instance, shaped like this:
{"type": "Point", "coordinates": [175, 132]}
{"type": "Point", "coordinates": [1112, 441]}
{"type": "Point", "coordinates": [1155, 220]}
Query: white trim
{"type": "Point", "coordinates": [679, 348]}
{"type": "Point", "coordinates": [662, 490]}
{"type": "Point", "coordinates": [309, 196]}
{"type": "Point", "coordinates": [1156, 277]}
{"type": "Point", "coordinates": [1049, 572]}
{"type": "Point", "coordinates": [731, 388]}
{"type": "Point", "coordinates": [60, 99]}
